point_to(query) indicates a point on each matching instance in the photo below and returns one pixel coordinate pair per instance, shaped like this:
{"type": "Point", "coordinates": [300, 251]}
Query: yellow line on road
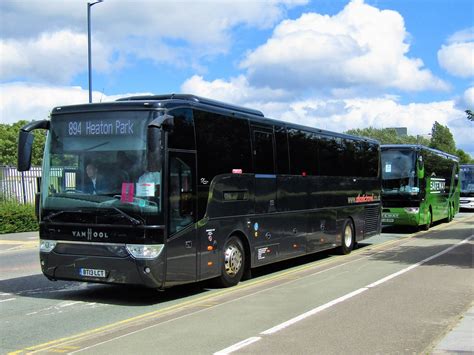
{"type": "Point", "coordinates": [19, 242]}
{"type": "Point", "coordinates": [62, 342]}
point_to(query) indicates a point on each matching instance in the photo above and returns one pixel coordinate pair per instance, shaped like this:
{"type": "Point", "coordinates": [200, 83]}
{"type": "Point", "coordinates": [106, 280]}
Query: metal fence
{"type": "Point", "coordinates": [19, 186]}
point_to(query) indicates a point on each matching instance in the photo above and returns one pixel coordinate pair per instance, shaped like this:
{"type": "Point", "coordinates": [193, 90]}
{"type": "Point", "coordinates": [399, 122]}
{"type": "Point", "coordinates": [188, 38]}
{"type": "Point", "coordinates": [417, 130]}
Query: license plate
{"type": "Point", "coordinates": [92, 272]}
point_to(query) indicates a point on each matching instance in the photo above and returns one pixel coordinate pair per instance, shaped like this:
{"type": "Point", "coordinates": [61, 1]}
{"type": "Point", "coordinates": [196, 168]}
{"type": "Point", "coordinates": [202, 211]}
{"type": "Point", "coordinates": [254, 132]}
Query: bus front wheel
{"type": "Point", "coordinates": [233, 263]}
{"type": "Point", "coordinates": [347, 238]}
{"type": "Point", "coordinates": [427, 226]}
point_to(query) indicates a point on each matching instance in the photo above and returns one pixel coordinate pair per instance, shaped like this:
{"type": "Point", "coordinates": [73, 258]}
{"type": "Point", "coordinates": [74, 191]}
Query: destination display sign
{"type": "Point", "coordinates": [100, 131]}
{"type": "Point", "coordinates": [104, 127]}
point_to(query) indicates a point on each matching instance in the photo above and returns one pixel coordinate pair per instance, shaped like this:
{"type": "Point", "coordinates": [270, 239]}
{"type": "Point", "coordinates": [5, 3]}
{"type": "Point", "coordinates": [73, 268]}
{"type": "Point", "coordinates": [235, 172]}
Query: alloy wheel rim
{"type": "Point", "coordinates": [232, 260]}
{"type": "Point", "coordinates": [348, 236]}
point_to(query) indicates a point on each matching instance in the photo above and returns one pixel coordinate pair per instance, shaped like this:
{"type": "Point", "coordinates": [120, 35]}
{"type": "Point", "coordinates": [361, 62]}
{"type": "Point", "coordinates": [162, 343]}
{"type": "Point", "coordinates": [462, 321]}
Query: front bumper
{"type": "Point", "coordinates": [399, 217]}
{"type": "Point", "coordinates": [123, 269]}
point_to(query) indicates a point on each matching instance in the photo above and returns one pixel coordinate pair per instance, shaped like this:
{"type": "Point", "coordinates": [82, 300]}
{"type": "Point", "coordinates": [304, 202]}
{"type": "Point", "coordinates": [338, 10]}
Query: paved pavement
{"type": "Point", "coordinates": [19, 236]}
{"type": "Point", "coordinates": [460, 340]}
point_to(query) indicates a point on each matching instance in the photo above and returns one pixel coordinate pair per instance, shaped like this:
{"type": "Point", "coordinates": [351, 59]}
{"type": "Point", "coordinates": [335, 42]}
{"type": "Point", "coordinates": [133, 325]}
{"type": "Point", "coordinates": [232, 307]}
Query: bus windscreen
{"type": "Point", "coordinates": [399, 172]}
{"type": "Point", "coordinates": [98, 161]}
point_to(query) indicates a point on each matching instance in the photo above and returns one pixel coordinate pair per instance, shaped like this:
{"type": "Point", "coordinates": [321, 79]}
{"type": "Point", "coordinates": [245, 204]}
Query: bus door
{"type": "Point", "coordinates": [182, 242]}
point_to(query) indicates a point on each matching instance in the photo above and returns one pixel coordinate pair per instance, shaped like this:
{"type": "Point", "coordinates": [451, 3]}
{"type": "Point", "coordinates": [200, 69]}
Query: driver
{"type": "Point", "coordinates": [95, 182]}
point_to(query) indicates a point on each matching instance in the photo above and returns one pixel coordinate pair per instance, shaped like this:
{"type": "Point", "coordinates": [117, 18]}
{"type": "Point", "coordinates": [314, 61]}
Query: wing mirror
{"type": "Point", "coordinates": [25, 143]}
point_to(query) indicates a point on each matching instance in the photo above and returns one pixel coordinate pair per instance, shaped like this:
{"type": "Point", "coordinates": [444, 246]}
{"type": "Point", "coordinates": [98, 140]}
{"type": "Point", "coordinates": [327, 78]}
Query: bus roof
{"type": "Point", "coordinates": [193, 98]}
{"type": "Point", "coordinates": [418, 147]}
{"type": "Point", "coordinates": [146, 102]}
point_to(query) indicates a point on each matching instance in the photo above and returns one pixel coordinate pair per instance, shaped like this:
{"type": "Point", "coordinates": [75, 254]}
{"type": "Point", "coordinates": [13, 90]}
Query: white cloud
{"type": "Point", "coordinates": [457, 59]}
{"type": "Point", "coordinates": [52, 34]}
{"type": "Point", "coordinates": [466, 35]}
{"type": "Point", "coordinates": [52, 57]}
{"type": "Point", "coordinates": [457, 56]}
{"type": "Point", "coordinates": [466, 100]}
{"type": "Point", "coordinates": [185, 19]}
{"type": "Point", "coordinates": [360, 46]}
{"type": "Point", "coordinates": [24, 101]}
{"type": "Point", "coordinates": [235, 90]}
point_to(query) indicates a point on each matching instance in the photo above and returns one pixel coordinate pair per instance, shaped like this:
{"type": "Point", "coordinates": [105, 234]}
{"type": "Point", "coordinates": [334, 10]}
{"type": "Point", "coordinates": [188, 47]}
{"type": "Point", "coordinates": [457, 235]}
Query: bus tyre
{"type": "Point", "coordinates": [233, 263]}
{"type": "Point", "coordinates": [450, 213]}
{"type": "Point", "coordinates": [427, 226]}
{"type": "Point", "coordinates": [348, 239]}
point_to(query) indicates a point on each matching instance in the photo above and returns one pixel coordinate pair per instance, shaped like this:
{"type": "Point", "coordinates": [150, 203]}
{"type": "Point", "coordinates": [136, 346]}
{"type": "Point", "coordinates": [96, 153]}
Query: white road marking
{"type": "Point", "coordinates": [69, 304]}
{"type": "Point", "coordinates": [238, 346]}
{"type": "Point", "coordinates": [316, 310]}
{"type": "Point", "coordinates": [313, 312]}
{"type": "Point", "coordinates": [8, 299]}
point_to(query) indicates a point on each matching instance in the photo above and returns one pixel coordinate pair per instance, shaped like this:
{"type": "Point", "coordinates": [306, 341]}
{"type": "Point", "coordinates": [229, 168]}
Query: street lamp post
{"type": "Point", "coordinates": [89, 5]}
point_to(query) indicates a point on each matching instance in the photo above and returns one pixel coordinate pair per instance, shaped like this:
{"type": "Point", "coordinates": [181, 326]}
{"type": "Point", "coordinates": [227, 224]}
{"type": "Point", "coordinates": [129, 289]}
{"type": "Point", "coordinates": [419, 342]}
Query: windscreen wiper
{"type": "Point", "coordinates": [50, 217]}
{"type": "Point", "coordinates": [134, 221]}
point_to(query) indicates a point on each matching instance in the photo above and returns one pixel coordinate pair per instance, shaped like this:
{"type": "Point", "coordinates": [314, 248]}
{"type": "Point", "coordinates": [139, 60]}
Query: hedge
{"type": "Point", "coordinates": [15, 217]}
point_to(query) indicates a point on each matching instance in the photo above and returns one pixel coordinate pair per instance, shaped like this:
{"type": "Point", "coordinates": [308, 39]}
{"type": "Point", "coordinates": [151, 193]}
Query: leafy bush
{"type": "Point", "coordinates": [15, 217]}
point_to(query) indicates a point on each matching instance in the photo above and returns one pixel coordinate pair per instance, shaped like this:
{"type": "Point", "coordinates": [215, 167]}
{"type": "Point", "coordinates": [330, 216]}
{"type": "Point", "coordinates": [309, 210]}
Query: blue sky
{"type": "Point", "coordinates": [331, 64]}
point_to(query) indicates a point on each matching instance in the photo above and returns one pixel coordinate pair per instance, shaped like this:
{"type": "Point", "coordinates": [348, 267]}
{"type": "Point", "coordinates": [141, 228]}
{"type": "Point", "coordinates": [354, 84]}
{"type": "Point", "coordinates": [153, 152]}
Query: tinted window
{"type": "Point", "coordinates": [303, 152]}
{"type": "Point", "coordinates": [182, 135]}
{"type": "Point", "coordinates": [437, 165]}
{"type": "Point", "coordinates": [350, 166]}
{"type": "Point", "coordinates": [263, 152]}
{"type": "Point", "coordinates": [330, 156]}
{"type": "Point", "coordinates": [223, 144]}
{"type": "Point", "coordinates": [371, 160]}
{"type": "Point", "coordinates": [281, 142]}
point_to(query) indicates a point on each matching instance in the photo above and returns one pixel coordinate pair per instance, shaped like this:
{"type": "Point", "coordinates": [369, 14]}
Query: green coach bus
{"type": "Point", "coordinates": [420, 185]}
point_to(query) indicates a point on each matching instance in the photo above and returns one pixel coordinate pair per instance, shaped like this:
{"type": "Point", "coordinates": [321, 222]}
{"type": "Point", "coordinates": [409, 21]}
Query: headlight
{"type": "Point", "coordinates": [412, 210]}
{"type": "Point", "coordinates": [140, 251]}
{"type": "Point", "coordinates": [46, 246]}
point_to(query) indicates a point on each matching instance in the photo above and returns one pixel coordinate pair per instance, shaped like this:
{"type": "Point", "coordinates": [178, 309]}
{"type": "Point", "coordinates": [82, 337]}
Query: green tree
{"type": "Point", "coordinates": [9, 144]}
{"type": "Point", "coordinates": [442, 138]}
{"type": "Point", "coordinates": [464, 158]}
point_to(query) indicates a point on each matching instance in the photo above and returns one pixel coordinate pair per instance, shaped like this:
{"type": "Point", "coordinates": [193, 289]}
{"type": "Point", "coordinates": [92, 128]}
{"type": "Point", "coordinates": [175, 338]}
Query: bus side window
{"type": "Point", "coordinates": [282, 158]}
{"type": "Point", "coordinates": [263, 152]}
{"type": "Point", "coordinates": [182, 135]}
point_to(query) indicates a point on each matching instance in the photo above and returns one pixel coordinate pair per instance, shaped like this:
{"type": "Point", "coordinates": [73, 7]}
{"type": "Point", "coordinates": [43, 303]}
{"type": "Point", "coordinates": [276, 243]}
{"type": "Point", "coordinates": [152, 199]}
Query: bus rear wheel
{"type": "Point", "coordinates": [348, 239]}
{"type": "Point", "coordinates": [450, 213]}
{"type": "Point", "coordinates": [233, 263]}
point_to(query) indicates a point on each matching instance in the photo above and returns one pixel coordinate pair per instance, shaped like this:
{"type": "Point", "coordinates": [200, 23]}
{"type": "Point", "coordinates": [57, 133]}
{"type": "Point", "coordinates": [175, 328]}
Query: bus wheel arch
{"type": "Point", "coordinates": [348, 237]}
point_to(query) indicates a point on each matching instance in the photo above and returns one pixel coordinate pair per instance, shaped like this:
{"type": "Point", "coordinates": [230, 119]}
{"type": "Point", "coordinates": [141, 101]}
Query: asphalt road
{"type": "Point", "coordinates": [399, 292]}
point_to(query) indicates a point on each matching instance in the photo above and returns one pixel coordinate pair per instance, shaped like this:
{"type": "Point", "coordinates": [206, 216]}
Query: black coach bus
{"type": "Point", "coordinates": [171, 189]}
